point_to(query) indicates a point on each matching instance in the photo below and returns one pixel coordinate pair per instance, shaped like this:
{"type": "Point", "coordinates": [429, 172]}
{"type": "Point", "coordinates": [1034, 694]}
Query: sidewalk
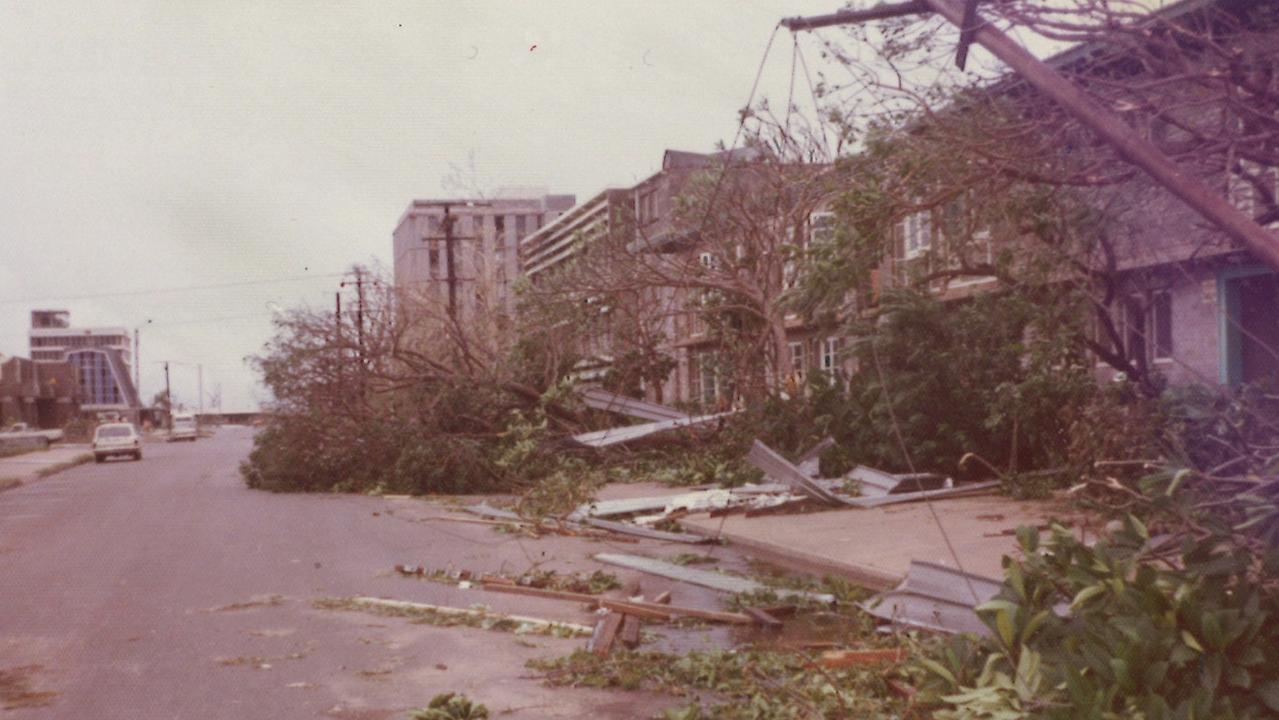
{"type": "Point", "coordinates": [873, 546]}
{"type": "Point", "coordinates": [21, 469]}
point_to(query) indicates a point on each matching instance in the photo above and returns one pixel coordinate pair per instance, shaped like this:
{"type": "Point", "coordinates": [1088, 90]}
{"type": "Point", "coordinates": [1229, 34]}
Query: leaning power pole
{"type": "Point", "coordinates": [1128, 142]}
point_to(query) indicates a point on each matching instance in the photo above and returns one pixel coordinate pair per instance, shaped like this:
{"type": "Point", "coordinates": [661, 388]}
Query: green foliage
{"type": "Point", "coordinates": [995, 376]}
{"type": "Point", "coordinates": [450, 706]}
{"type": "Point", "coordinates": [1110, 631]}
{"type": "Point", "coordinates": [751, 684]}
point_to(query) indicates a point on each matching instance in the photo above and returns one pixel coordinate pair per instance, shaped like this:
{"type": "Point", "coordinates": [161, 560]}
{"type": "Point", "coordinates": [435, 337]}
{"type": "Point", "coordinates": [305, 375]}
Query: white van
{"type": "Point", "coordinates": [184, 427]}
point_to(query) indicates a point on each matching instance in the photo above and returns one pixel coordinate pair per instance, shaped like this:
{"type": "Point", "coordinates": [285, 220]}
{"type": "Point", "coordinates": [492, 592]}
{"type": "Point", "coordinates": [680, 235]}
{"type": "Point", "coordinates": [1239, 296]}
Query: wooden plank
{"type": "Point", "coordinates": [663, 598]}
{"type": "Point", "coordinates": [761, 617]}
{"type": "Point", "coordinates": [650, 610]}
{"type": "Point", "coordinates": [630, 634]}
{"type": "Point", "coordinates": [605, 634]}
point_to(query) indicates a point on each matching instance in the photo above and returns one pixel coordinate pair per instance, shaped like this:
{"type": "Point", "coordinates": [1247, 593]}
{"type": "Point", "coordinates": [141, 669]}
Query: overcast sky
{"type": "Point", "coordinates": [172, 144]}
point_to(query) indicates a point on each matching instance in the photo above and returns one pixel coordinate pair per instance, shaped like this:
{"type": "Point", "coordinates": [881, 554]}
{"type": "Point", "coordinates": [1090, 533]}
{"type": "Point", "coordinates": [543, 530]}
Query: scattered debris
{"type": "Point", "coordinates": [640, 608]}
{"type": "Point", "coordinates": [615, 436]}
{"type": "Point", "coordinates": [854, 658]}
{"type": "Point", "coordinates": [705, 578]}
{"type": "Point", "coordinates": [763, 617]}
{"type": "Point", "coordinates": [935, 597]}
{"type": "Point", "coordinates": [16, 692]}
{"type": "Point", "coordinates": [650, 533]}
{"type": "Point", "coordinates": [443, 615]}
{"type": "Point", "coordinates": [257, 601]}
{"type": "Point", "coordinates": [599, 399]}
{"type": "Point", "coordinates": [606, 630]}
{"type": "Point", "coordinates": [779, 468]}
{"type": "Point", "coordinates": [810, 462]}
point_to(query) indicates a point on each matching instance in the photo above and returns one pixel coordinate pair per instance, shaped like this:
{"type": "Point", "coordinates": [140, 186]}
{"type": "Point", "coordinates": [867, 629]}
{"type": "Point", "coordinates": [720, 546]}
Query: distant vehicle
{"type": "Point", "coordinates": [184, 427]}
{"type": "Point", "coordinates": [23, 434]}
{"type": "Point", "coordinates": [116, 439]}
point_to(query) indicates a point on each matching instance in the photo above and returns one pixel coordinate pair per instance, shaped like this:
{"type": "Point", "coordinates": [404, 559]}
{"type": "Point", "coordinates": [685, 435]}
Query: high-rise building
{"type": "Point", "coordinates": [485, 246]}
{"type": "Point", "coordinates": [101, 357]}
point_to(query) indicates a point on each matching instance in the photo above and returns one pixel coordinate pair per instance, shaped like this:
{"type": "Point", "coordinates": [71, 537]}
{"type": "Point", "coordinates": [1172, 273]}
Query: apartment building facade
{"type": "Point", "coordinates": [101, 357]}
{"type": "Point", "coordinates": [1181, 298]}
{"type": "Point", "coordinates": [693, 269]}
{"type": "Point", "coordinates": [485, 236]}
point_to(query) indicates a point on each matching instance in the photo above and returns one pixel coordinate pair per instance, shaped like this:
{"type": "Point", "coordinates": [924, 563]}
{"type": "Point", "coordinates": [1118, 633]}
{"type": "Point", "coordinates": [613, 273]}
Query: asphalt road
{"type": "Point", "coordinates": [167, 589]}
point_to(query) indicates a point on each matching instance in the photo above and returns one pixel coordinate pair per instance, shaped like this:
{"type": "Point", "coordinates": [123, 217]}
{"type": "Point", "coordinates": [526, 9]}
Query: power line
{"type": "Point", "coordinates": [159, 291]}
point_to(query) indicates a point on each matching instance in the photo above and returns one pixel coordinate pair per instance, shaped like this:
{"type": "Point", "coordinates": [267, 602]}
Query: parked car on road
{"type": "Point", "coordinates": [116, 439]}
{"type": "Point", "coordinates": [20, 434]}
{"type": "Point", "coordinates": [184, 427]}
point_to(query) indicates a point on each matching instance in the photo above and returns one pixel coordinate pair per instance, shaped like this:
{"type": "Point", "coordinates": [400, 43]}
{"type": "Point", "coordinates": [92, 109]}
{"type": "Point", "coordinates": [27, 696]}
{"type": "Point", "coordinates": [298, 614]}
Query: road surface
{"type": "Point", "coordinates": [167, 589]}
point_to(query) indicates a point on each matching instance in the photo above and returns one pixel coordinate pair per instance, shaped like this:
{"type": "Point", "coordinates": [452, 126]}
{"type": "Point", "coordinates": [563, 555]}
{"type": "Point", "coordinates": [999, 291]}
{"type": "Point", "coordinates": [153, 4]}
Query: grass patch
{"type": "Point", "coordinates": [593, 583]}
{"type": "Point", "coordinates": [8, 452]}
{"type": "Point", "coordinates": [732, 685]}
{"type": "Point", "coordinates": [54, 469]}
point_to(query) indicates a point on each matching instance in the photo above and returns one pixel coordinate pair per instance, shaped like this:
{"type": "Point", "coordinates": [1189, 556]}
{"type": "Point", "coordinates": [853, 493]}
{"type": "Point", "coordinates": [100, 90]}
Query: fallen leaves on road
{"type": "Point", "coordinates": [257, 601]}
{"type": "Point", "coordinates": [16, 691]}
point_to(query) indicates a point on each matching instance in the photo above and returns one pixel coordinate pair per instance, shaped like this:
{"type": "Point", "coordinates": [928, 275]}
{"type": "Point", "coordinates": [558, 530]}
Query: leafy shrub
{"type": "Point", "coordinates": [450, 706]}
{"type": "Point", "coordinates": [1121, 630]}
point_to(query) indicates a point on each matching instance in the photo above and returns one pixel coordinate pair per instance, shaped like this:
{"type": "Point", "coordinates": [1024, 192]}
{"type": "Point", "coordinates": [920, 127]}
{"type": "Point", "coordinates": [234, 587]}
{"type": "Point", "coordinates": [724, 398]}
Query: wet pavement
{"type": "Point", "coordinates": [167, 589]}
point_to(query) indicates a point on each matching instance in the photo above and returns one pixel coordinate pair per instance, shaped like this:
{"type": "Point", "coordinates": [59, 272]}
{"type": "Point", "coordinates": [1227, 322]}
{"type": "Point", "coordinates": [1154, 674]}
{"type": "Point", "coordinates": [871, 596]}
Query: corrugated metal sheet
{"type": "Point", "coordinates": [779, 468]}
{"type": "Point", "coordinates": [935, 597]}
{"type": "Point", "coordinates": [612, 402]}
{"type": "Point", "coordinates": [705, 578]}
{"type": "Point", "coordinates": [615, 436]}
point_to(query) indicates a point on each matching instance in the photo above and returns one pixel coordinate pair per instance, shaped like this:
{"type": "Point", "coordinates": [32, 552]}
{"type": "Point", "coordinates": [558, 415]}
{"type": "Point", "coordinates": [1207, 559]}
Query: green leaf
{"type": "Point", "coordinates": [939, 670]}
{"type": "Point", "coordinates": [1004, 625]}
{"type": "Point", "coordinates": [1086, 594]}
{"type": "Point", "coordinates": [1190, 641]}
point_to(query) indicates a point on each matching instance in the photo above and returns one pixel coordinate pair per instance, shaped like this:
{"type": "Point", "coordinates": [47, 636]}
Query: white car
{"type": "Point", "coordinates": [184, 427]}
{"type": "Point", "coordinates": [116, 439]}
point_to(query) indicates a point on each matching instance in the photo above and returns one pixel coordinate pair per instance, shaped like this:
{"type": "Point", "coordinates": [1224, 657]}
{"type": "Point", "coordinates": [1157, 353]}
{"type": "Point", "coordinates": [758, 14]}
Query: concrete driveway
{"type": "Point", "coordinates": [166, 589]}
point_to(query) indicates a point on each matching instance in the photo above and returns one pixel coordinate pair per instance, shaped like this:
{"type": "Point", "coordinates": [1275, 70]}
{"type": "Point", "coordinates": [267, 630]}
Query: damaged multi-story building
{"type": "Point", "coordinates": [680, 276]}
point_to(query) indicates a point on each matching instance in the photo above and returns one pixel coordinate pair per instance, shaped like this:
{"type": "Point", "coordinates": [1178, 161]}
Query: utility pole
{"type": "Point", "coordinates": [199, 374]}
{"type": "Point", "coordinates": [168, 399]}
{"type": "Point", "coordinates": [447, 224]}
{"type": "Point", "coordinates": [449, 262]}
{"type": "Point", "coordinates": [337, 331]}
{"type": "Point", "coordinates": [1128, 142]}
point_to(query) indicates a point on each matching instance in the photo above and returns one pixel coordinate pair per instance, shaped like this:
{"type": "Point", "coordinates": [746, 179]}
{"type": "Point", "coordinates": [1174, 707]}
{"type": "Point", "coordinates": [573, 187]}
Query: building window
{"type": "Point", "coordinates": [797, 360]}
{"type": "Point", "coordinates": [646, 207]}
{"type": "Point", "coordinates": [1145, 327]}
{"type": "Point", "coordinates": [830, 354]}
{"type": "Point", "coordinates": [821, 229]}
{"type": "Point", "coordinates": [499, 230]}
{"type": "Point", "coordinates": [917, 234]}
{"type": "Point", "coordinates": [1244, 193]}
{"type": "Point", "coordinates": [1161, 325]}
{"type": "Point", "coordinates": [521, 227]}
